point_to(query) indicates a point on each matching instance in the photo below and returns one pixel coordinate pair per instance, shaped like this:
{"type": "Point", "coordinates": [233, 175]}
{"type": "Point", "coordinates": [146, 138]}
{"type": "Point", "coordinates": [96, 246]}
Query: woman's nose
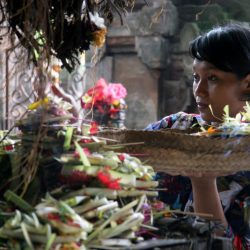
{"type": "Point", "coordinates": [200, 88]}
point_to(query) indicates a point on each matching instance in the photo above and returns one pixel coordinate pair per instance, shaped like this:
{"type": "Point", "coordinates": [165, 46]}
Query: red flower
{"type": "Point", "coordinates": [121, 157]}
{"type": "Point", "coordinates": [94, 128]}
{"type": "Point", "coordinates": [113, 110]}
{"type": "Point", "coordinates": [71, 222]}
{"type": "Point", "coordinates": [105, 178]}
{"type": "Point", "coordinates": [53, 216]}
{"type": "Point", "coordinates": [99, 90]}
{"type": "Point", "coordinates": [114, 185]}
{"type": "Point", "coordinates": [95, 94]}
{"type": "Point", "coordinates": [86, 140]}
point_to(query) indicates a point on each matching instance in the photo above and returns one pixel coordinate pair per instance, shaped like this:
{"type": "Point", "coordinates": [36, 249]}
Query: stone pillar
{"type": "Point", "coordinates": [141, 84]}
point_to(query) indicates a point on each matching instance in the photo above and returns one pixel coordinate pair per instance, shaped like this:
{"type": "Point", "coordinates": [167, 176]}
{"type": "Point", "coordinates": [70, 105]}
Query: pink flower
{"type": "Point", "coordinates": [103, 93]}
{"type": "Point", "coordinates": [115, 91]}
{"type": "Point", "coordinates": [158, 205]}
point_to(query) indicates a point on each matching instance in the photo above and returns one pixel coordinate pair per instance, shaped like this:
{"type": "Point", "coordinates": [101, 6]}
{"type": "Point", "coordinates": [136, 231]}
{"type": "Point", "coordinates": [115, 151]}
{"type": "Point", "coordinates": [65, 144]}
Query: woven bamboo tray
{"type": "Point", "coordinates": [174, 150]}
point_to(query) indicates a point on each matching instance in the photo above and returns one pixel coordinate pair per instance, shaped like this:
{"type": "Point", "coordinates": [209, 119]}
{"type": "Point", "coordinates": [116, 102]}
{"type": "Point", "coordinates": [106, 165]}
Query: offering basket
{"type": "Point", "coordinates": [181, 150]}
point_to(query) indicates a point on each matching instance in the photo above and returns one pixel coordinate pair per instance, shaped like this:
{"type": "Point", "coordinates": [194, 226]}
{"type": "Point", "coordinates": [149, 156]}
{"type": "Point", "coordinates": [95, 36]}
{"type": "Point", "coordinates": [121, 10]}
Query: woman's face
{"type": "Point", "coordinates": [217, 88]}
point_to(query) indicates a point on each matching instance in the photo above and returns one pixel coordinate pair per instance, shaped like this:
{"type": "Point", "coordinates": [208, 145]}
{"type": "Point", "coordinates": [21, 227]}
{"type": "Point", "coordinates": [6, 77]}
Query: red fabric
{"type": "Point", "coordinates": [237, 243]}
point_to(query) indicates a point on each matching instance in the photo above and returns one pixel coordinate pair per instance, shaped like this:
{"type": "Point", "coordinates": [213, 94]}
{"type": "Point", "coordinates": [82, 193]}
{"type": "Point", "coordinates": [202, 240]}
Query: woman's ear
{"type": "Point", "coordinates": [245, 88]}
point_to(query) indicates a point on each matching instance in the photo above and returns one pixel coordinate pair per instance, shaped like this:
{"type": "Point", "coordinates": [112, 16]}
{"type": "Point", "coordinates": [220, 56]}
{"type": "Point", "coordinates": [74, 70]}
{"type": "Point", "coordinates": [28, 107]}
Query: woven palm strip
{"type": "Point", "coordinates": [169, 150]}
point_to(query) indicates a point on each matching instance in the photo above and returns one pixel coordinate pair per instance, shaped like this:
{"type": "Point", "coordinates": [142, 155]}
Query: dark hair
{"type": "Point", "coordinates": [226, 47]}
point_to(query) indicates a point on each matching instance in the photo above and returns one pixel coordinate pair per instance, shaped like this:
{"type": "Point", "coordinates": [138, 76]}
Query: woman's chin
{"type": "Point", "coordinates": [209, 118]}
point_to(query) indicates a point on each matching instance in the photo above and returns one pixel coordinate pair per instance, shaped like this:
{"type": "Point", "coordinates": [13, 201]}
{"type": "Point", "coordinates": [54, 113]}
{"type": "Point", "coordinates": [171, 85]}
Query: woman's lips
{"type": "Point", "coordinates": [201, 105]}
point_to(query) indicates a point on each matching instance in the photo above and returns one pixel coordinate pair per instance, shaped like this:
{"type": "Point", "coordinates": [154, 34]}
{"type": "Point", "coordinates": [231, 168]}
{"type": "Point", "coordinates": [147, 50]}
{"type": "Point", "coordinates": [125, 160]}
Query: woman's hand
{"type": "Point", "coordinates": [205, 192]}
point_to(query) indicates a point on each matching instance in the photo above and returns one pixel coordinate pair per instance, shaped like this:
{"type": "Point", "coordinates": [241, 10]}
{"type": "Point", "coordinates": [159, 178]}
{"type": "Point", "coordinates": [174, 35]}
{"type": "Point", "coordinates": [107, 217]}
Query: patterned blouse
{"type": "Point", "coordinates": [234, 190]}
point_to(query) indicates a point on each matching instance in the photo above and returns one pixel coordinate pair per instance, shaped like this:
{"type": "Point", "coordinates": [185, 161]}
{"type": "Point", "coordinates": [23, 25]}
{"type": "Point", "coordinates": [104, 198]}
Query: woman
{"type": "Point", "coordinates": [221, 76]}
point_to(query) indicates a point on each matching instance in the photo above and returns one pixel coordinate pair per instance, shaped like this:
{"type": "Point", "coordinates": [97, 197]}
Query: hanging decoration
{"type": "Point", "coordinates": [62, 28]}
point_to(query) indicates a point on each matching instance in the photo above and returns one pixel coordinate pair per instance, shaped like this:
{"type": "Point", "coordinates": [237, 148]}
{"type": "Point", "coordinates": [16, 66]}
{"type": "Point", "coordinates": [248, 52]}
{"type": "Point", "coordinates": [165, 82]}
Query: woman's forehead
{"type": "Point", "coordinates": [203, 65]}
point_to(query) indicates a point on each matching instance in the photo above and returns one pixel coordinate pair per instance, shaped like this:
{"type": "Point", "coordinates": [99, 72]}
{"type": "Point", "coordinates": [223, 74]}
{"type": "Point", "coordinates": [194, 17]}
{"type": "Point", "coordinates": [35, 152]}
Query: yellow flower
{"type": "Point", "coordinates": [116, 102]}
{"type": "Point", "coordinates": [41, 102]}
{"type": "Point", "coordinates": [87, 99]}
{"type": "Point", "coordinates": [99, 37]}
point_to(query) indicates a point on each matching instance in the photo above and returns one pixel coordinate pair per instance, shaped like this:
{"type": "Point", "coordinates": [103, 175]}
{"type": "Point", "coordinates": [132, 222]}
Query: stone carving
{"type": "Point", "coordinates": [74, 83]}
{"type": "Point", "coordinates": [205, 16]}
{"type": "Point", "coordinates": [177, 96]}
{"type": "Point", "coordinates": [189, 31]}
{"type": "Point", "coordinates": [160, 18]}
{"type": "Point", "coordinates": [153, 51]}
{"type": "Point", "coordinates": [17, 86]}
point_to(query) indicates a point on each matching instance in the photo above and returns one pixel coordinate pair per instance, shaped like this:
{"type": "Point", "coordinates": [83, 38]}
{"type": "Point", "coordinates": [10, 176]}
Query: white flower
{"type": "Point", "coordinates": [97, 20]}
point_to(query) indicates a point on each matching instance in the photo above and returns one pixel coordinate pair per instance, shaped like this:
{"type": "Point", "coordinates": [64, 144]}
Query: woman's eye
{"type": "Point", "coordinates": [212, 78]}
{"type": "Point", "coordinates": [196, 77]}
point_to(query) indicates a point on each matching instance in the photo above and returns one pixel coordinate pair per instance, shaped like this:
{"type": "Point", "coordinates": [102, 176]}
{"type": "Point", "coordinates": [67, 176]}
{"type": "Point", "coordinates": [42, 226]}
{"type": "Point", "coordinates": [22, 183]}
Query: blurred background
{"type": "Point", "coordinates": [148, 54]}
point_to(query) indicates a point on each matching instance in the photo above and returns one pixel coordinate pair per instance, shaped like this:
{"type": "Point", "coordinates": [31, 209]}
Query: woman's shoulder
{"type": "Point", "coordinates": [180, 120]}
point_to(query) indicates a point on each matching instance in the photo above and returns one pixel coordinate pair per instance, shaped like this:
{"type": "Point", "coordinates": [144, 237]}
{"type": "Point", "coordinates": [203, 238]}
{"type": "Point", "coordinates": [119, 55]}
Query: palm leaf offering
{"type": "Point", "coordinates": [231, 126]}
{"type": "Point", "coordinates": [81, 190]}
{"type": "Point", "coordinates": [70, 223]}
{"type": "Point", "coordinates": [96, 193]}
{"type": "Point", "coordinates": [83, 222]}
{"type": "Point", "coordinates": [84, 189]}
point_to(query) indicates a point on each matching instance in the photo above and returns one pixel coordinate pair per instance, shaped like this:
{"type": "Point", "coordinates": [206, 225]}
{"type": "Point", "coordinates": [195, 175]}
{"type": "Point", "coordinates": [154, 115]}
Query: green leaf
{"type": "Point", "coordinates": [50, 241]}
{"type": "Point", "coordinates": [86, 129]}
{"type": "Point", "coordinates": [238, 117]}
{"type": "Point", "coordinates": [68, 138]}
{"type": "Point", "coordinates": [83, 156]}
{"type": "Point", "coordinates": [26, 236]}
{"type": "Point", "coordinates": [41, 41]}
{"type": "Point", "coordinates": [226, 111]}
{"type": "Point", "coordinates": [18, 201]}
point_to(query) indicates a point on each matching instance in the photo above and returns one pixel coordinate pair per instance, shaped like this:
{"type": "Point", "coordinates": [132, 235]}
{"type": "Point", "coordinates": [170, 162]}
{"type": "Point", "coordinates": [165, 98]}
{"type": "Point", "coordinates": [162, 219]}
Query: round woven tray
{"type": "Point", "coordinates": [173, 150]}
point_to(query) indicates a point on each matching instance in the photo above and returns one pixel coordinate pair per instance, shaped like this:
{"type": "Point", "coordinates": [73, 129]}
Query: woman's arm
{"type": "Point", "coordinates": [206, 197]}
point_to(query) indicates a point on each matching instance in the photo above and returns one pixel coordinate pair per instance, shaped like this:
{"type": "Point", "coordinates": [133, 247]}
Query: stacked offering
{"type": "Point", "coordinates": [92, 195]}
